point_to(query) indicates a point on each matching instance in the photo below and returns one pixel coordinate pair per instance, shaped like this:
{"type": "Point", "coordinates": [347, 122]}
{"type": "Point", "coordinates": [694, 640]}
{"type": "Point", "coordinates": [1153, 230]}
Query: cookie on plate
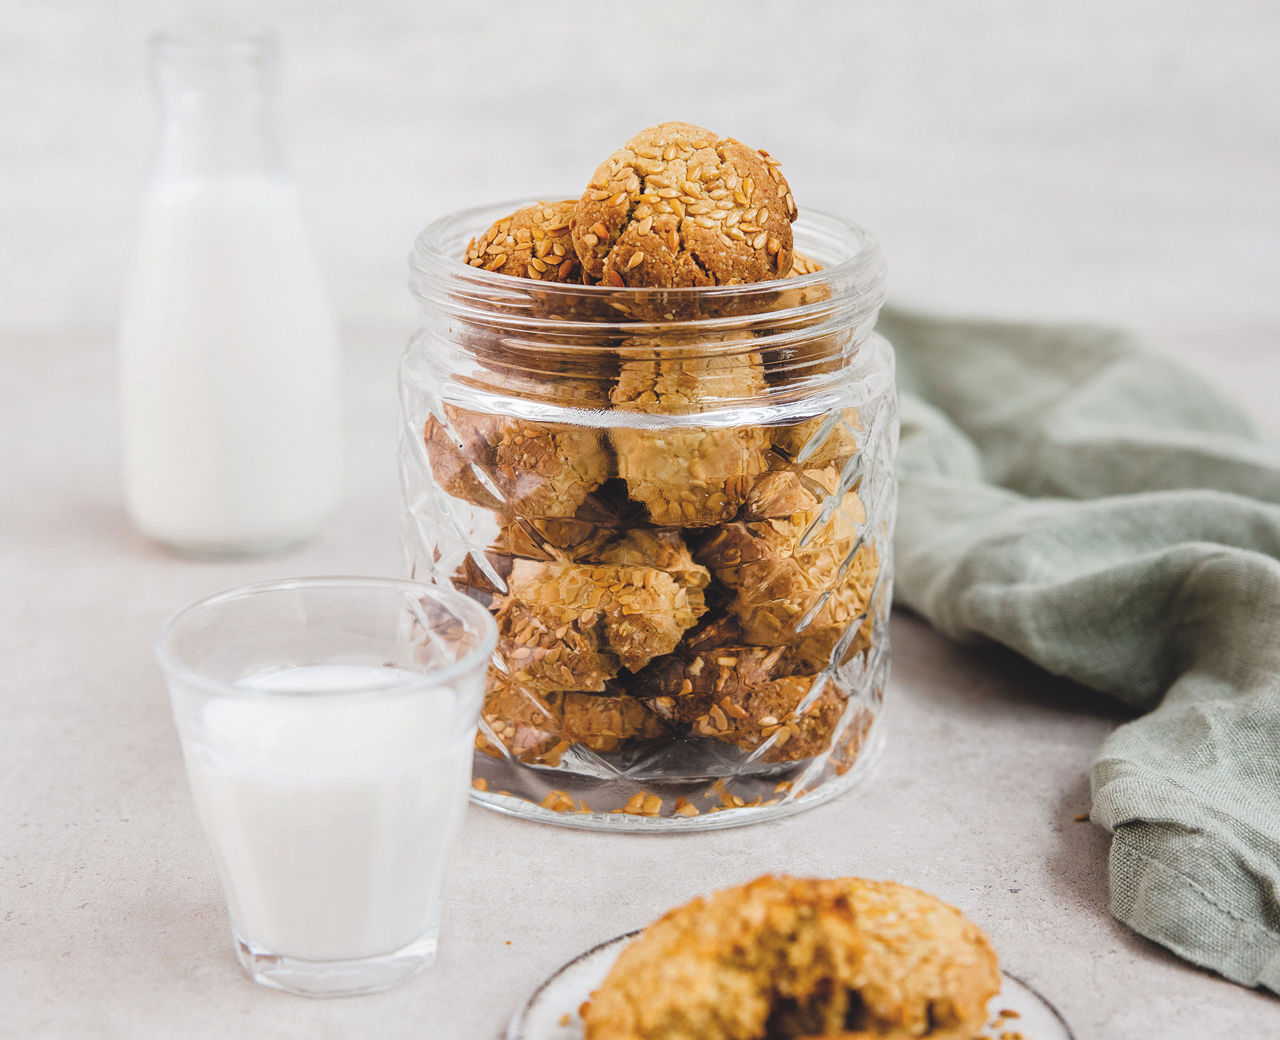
{"type": "Point", "coordinates": [784, 958]}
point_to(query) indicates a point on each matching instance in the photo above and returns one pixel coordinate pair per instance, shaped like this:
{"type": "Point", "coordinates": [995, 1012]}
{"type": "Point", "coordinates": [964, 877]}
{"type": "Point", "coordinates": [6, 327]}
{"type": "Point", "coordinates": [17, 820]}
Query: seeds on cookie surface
{"type": "Point", "coordinates": [669, 193]}
{"type": "Point", "coordinates": [525, 243]}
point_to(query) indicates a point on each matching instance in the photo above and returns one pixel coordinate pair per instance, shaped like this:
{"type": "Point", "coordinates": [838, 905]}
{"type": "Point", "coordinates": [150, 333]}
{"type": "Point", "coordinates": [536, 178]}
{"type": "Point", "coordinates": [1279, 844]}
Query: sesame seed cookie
{"type": "Point", "coordinates": [684, 686]}
{"type": "Point", "coordinates": [605, 723]}
{"type": "Point", "coordinates": [520, 723]}
{"type": "Point", "coordinates": [772, 712]}
{"type": "Point", "coordinates": [821, 441]}
{"type": "Point", "coordinates": [745, 696]}
{"type": "Point", "coordinates": [547, 651]}
{"type": "Point", "coordinates": [785, 958]}
{"type": "Point", "coordinates": [781, 567]}
{"type": "Point", "coordinates": [516, 466]}
{"type": "Point", "coordinates": [679, 206]}
{"type": "Point", "coordinates": [531, 539]}
{"type": "Point", "coordinates": [533, 242]}
{"type": "Point", "coordinates": [687, 476]}
{"type": "Point", "coordinates": [540, 728]}
{"type": "Point", "coordinates": [664, 550]}
{"type": "Point", "coordinates": [634, 612]}
{"type": "Point", "coordinates": [802, 264]}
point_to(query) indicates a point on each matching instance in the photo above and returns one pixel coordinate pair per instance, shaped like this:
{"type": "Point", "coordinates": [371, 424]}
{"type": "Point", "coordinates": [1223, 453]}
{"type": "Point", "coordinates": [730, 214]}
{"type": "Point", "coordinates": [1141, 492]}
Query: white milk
{"type": "Point", "coordinates": [228, 369]}
{"type": "Point", "coordinates": [331, 817]}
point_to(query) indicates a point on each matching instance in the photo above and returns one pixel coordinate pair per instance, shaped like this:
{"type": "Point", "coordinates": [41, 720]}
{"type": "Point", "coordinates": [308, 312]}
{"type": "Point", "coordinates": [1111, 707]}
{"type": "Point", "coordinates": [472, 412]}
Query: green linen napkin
{"type": "Point", "coordinates": [1109, 515]}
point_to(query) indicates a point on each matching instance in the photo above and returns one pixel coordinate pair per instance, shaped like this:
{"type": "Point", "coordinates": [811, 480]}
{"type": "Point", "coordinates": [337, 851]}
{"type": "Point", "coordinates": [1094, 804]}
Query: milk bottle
{"type": "Point", "coordinates": [229, 381]}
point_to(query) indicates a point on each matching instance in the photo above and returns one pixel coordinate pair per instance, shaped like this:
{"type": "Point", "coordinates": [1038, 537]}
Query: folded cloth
{"type": "Point", "coordinates": [1111, 516]}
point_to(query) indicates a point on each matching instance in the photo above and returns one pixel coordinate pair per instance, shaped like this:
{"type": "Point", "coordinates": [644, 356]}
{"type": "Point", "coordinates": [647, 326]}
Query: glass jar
{"type": "Point", "coordinates": [679, 506]}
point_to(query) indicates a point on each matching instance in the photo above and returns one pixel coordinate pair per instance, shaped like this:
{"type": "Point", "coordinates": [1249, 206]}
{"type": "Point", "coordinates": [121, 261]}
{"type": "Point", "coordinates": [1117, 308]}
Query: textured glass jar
{"type": "Point", "coordinates": [679, 505]}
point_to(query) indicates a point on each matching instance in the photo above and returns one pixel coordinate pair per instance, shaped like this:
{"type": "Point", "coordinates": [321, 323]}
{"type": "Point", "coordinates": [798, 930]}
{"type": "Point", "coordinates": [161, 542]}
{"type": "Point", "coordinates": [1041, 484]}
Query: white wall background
{"type": "Point", "coordinates": [1114, 160]}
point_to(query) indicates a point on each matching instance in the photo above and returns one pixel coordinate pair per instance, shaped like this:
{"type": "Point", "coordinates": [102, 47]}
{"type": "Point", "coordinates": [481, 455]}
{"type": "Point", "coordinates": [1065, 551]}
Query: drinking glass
{"type": "Point", "coordinates": [327, 728]}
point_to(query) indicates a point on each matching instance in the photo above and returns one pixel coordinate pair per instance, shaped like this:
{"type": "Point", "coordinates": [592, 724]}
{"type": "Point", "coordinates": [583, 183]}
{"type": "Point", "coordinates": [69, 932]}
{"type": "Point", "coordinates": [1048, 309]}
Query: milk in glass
{"type": "Point", "coordinates": [331, 816]}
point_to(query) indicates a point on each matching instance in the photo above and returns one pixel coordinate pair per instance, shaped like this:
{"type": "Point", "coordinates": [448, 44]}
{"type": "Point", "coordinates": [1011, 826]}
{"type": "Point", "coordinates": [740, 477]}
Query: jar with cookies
{"type": "Point", "coordinates": [651, 428]}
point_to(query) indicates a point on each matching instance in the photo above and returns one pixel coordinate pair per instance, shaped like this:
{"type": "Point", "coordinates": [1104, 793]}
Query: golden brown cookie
{"type": "Point", "coordinates": [521, 724]}
{"type": "Point", "coordinates": [664, 550]}
{"type": "Point", "coordinates": [679, 206]}
{"type": "Point", "coordinates": [785, 958]}
{"type": "Point", "coordinates": [604, 723]}
{"type": "Point", "coordinates": [539, 728]}
{"type": "Point", "coordinates": [546, 650]}
{"type": "Point", "coordinates": [687, 685]}
{"type": "Point", "coordinates": [516, 466]}
{"type": "Point", "coordinates": [771, 712]}
{"type": "Point", "coordinates": [743, 695]}
{"type": "Point", "coordinates": [801, 264]}
{"type": "Point", "coordinates": [826, 440]}
{"type": "Point", "coordinates": [533, 242]}
{"type": "Point", "coordinates": [573, 540]}
{"type": "Point", "coordinates": [780, 568]}
{"type": "Point", "coordinates": [687, 476]}
{"type": "Point", "coordinates": [636, 613]}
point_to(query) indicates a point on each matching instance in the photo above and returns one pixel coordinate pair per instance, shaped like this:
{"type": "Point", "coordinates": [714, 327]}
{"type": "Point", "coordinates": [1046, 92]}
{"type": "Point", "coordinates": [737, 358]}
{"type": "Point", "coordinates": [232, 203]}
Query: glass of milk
{"type": "Point", "coordinates": [327, 726]}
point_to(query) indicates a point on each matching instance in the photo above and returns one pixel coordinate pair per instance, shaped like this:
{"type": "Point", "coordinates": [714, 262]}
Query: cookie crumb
{"type": "Point", "coordinates": [558, 801]}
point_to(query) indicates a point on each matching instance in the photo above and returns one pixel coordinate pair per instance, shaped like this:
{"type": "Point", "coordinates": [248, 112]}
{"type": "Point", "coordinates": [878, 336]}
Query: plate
{"type": "Point", "coordinates": [552, 1012]}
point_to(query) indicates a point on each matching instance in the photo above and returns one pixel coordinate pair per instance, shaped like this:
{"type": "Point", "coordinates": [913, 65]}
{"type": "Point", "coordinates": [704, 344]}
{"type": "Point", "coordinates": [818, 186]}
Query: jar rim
{"type": "Point", "coordinates": [438, 255]}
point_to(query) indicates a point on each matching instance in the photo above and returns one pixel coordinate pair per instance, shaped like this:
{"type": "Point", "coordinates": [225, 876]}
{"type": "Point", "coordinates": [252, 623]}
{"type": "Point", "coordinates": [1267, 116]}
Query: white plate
{"type": "Point", "coordinates": [552, 1012]}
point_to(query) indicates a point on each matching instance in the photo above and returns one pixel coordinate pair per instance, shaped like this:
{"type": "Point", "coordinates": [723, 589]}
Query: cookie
{"type": "Point", "coordinates": [685, 686]}
{"type": "Point", "coordinates": [539, 729]}
{"type": "Point", "coordinates": [515, 466]}
{"type": "Point", "coordinates": [605, 723]}
{"type": "Point", "coordinates": [771, 713]}
{"type": "Point", "coordinates": [573, 540]}
{"type": "Point", "coordinates": [687, 476]}
{"type": "Point", "coordinates": [679, 206]}
{"type": "Point", "coordinates": [799, 580]}
{"type": "Point", "coordinates": [515, 722]}
{"type": "Point", "coordinates": [665, 550]}
{"type": "Point", "coordinates": [546, 650]}
{"type": "Point", "coordinates": [745, 696]}
{"type": "Point", "coordinates": [783, 958]}
{"type": "Point", "coordinates": [635, 613]}
{"type": "Point", "coordinates": [533, 242]}
{"type": "Point", "coordinates": [801, 264]}
{"type": "Point", "coordinates": [825, 440]}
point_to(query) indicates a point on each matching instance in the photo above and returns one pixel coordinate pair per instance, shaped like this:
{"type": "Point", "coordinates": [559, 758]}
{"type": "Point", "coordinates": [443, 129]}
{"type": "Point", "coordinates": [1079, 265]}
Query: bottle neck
{"type": "Point", "coordinates": [217, 106]}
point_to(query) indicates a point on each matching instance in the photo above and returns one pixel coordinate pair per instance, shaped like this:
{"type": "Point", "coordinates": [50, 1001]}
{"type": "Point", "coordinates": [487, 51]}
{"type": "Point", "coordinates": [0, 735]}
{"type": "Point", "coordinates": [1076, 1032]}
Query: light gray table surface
{"type": "Point", "coordinates": [1109, 161]}
{"type": "Point", "coordinates": [111, 920]}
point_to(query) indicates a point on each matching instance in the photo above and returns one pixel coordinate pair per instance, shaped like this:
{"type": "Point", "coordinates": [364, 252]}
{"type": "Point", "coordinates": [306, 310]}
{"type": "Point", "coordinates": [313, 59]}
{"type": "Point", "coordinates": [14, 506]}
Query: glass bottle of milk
{"type": "Point", "coordinates": [229, 377]}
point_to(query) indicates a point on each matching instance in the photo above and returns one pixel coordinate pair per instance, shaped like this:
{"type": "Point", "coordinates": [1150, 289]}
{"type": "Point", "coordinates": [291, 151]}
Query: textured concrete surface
{"type": "Point", "coordinates": [1099, 160]}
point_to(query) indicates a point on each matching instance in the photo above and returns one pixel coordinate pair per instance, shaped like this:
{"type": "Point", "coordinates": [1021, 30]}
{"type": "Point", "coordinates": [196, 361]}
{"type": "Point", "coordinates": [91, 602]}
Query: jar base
{"type": "Point", "coordinates": [568, 801]}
